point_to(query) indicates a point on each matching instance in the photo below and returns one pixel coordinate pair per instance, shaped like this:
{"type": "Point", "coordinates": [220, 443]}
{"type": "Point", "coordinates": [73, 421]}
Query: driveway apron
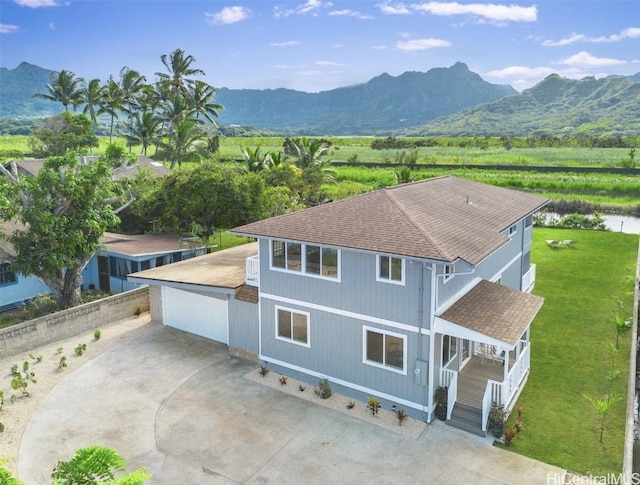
{"type": "Point", "coordinates": [178, 405]}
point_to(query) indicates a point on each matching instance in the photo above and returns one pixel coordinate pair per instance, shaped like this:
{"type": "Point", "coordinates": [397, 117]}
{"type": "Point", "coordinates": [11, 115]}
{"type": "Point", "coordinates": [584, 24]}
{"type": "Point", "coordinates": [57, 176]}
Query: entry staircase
{"type": "Point", "coordinates": [472, 382]}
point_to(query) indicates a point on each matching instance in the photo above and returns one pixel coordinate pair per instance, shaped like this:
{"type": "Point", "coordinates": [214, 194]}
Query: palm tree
{"type": "Point", "coordinates": [179, 71]}
{"type": "Point", "coordinates": [201, 98]}
{"type": "Point", "coordinates": [111, 102]}
{"type": "Point", "coordinates": [93, 100]}
{"type": "Point", "coordinates": [65, 88]}
{"type": "Point", "coordinates": [131, 83]}
{"type": "Point", "coordinates": [183, 140]}
{"type": "Point", "coordinates": [144, 130]}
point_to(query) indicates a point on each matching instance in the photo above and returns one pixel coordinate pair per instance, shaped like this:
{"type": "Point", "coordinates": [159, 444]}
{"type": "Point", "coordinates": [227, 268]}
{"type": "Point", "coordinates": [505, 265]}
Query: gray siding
{"type": "Point", "coordinates": [357, 291]}
{"type": "Point", "coordinates": [502, 263]}
{"type": "Point", "coordinates": [243, 325]}
{"type": "Point", "coordinates": [336, 351]}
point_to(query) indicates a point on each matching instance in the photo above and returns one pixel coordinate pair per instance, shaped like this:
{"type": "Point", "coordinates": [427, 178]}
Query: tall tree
{"type": "Point", "coordinates": [93, 100]}
{"type": "Point", "coordinates": [145, 130]}
{"type": "Point", "coordinates": [111, 102]}
{"type": "Point", "coordinates": [184, 140]}
{"type": "Point", "coordinates": [207, 196]}
{"type": "Point", "coordinates": [131, 84]}
{"type": "Point", "coordinates": [62, 133]}
{"type": "Point", "coordinates": [65, 88]}
{"type": "Point", "coordinates": [179, 72]}
{"type": "Point", "coordinates": [64, 210]}
{"type": "Point", "coordinates": [201, 97]}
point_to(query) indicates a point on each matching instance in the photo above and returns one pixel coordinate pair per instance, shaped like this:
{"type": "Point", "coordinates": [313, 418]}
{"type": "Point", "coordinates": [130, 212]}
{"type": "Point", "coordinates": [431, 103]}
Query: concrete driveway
{"type": "Point", "coordinates": [179, 405]}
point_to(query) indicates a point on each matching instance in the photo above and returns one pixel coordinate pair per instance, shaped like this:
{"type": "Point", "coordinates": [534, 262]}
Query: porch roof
{"type": "Point", "coordinates": [499, 314]}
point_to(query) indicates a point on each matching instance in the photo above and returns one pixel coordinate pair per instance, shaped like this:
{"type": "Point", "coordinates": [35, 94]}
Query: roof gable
{"type": "Point", "coordinates": [443, 218]}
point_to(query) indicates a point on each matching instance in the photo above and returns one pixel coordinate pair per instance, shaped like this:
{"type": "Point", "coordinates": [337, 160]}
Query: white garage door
{"type": "Point", "coordinates": [202, 315]}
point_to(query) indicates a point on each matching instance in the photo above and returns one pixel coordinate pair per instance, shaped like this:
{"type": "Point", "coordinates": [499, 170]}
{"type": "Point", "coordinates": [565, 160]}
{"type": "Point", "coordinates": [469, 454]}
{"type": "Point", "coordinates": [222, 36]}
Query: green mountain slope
{"type": "Point", "coordinates": [558, 106]}
{"type": "Point", "coordinates": [382, 104]}
{"type": "Point", "coordinates": [17, 86]}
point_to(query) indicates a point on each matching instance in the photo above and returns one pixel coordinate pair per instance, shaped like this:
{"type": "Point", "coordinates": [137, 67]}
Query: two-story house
{"type": "Point", "coordinates": [392, 294]}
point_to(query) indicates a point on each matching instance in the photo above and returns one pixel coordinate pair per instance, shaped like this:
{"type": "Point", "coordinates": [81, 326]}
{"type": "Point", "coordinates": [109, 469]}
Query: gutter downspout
{"type": "Point", "coordinates": [432, 343]}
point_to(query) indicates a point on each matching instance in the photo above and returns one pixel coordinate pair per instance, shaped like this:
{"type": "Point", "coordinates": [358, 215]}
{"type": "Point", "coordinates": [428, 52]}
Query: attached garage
{"type": "Point", "coordinates": [204, 315]}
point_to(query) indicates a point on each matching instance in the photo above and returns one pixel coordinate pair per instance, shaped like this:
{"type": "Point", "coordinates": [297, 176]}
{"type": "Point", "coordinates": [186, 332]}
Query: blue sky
{"type": "Point", "coordinates": [315, 45]}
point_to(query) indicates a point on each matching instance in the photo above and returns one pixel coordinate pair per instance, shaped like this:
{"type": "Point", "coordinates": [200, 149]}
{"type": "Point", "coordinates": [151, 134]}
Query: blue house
{"type": "Point", "coordinates": [393, 294]}
{"type": "Point", "coordinates": [107, 270]}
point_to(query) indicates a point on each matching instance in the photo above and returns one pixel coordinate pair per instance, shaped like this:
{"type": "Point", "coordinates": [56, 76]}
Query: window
{"type": "Point", "coordinates": [292, 326]}
{"type": "Point", "coordinates": [305, 258]}
{"type": "Point", "coordinates": [121, 267]}
{"type": "Point", "coordinates": [384, 349]}
{"type": "Point", "coordinates": [512, 230]}
{"type": "Point", "coordinates": [449, 348]}
{"type": "Point", "coordinates": [6, 275]}
{"type": "Point", "coordinates": [449, 271]}
{"type": "Point", "coordinates": [528, 222]}
{"type": "Point", "coordinates": [390, 269]}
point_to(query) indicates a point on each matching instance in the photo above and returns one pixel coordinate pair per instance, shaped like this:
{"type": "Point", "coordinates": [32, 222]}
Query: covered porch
{"type": "Point", "coordinates": [490, 328]}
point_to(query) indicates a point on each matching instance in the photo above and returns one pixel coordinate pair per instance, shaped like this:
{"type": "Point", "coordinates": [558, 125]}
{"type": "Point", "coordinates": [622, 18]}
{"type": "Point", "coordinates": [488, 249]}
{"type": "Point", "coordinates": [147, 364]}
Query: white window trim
{"type": "Point", "coordinates": [389, 280]}
{"type": "Point", "coordinates": [303, 261]}
{"type": "Point", "coordinates": [402, 371]}
{"type": "Point", "coordinates": [512, 230]}
{"type": "Point", "coordinates": [291, 340]}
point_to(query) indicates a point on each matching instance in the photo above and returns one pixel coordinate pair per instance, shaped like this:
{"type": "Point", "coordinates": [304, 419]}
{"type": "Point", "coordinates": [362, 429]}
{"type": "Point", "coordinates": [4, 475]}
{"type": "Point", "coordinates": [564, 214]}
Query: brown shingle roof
{"type": "Point", "coordinates": [443, 218]}
{"type": "Point", "coordinates": [496, 311]}
{"type": "Point", "coordinates": [247, 294]}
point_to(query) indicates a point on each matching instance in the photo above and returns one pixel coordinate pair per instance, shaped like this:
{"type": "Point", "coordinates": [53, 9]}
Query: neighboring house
{"type": "Point", "coordinates": [123, 254]}
{"type": "Point", "coordinates": [16, 289]}
{"type": "Point", "coordinates": [31, 167]}
{"type": "Point", "coordinates": [107, 270]}
{"type": "Point", "coordinates": [392, 294]}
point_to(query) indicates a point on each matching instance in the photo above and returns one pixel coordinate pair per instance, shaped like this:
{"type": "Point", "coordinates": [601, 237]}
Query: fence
{"type": "Point", "coordinates": [25, 336]}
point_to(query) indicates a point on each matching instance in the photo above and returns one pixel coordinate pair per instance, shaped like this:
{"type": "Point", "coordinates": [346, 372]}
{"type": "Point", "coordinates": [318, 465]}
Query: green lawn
{"type": "Point", "coordinates": [569, 357]}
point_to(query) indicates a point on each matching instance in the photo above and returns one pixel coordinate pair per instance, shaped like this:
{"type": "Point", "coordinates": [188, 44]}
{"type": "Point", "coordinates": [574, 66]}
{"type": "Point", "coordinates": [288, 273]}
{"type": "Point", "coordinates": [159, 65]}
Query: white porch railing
{"type": "Point", "coordinates": [253, 271]}
{"type": "Point", "coordinates": [449, 379]}
{"type": "Point", "coordinates": [529, 279]}
{"type": "Point", "coordinates": [502, 393]}
{"type": "Point", "coordinates": [492, 395]}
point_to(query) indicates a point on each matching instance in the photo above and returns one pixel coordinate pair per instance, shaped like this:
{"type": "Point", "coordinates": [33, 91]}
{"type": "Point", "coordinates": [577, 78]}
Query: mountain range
{"type": "Point", "coordinates": [450, 101]}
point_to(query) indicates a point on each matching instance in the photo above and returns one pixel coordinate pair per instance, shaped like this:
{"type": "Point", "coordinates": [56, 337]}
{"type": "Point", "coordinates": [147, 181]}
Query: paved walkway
{"type": "Point", "coordinates": [179, 405]}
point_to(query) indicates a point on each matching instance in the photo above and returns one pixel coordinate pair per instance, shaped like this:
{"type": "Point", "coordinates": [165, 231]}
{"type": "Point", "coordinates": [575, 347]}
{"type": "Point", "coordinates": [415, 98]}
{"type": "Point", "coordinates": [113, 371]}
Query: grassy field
{"type": "Point", "coordinates": [581, 287]}
{"type": "Point", "coordinates": [359, 149]}
{"type": "Point", "coordinates": [604, 192]}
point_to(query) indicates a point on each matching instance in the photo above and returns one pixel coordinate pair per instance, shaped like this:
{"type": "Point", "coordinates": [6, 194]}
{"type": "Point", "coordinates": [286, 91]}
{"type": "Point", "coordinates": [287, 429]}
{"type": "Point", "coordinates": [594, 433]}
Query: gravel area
{"type": "Point", "coordinates": [16, 412]}
{"type": "Point", "coordinates": [384, 418]}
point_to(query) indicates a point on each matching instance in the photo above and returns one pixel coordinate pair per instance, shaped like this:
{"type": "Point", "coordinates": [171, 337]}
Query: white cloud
{"type": "Point", "coordinates": [9, 29]}
{"type": "Point", "coordinates": [37, 3]}
{"type": "Point", "coordinates": [486, 11]}
{"type": "Point", "coordinates": [350, 13]}
{"type": "Point", "coordinates": [285, 44]}
{"type": "Point", "coordinates": [584, 59]}
{"type": "Point", "coordinates": [52, 26]}
{"type": "Point", "coordinates": [421, 44]}
{"type": "Point", "coordinates": [329, 63]}
{"type": "Point", "coordinates": [520, 72]}
{"type": "Point", "coordinates": [397, 9]}
{"type": "Point", "coordinates": [311, 6]}
{"type": "Point", "coordinates": [228, 15]}
{"type": "Point", "coordinates": [630, 33]}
